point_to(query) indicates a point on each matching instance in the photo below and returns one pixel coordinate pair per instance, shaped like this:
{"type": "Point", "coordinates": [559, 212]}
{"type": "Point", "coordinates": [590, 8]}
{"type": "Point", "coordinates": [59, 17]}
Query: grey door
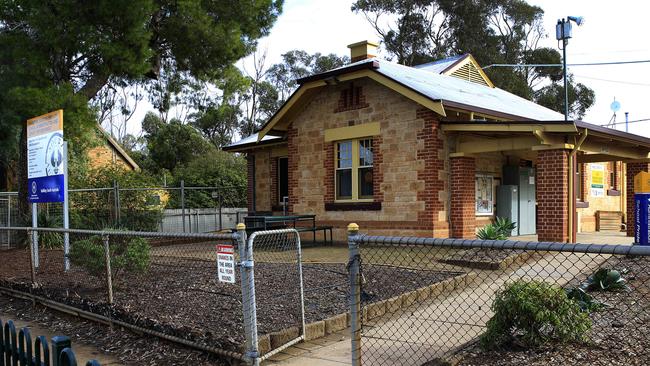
{"type": "Point", "coordinates": [527, 222]}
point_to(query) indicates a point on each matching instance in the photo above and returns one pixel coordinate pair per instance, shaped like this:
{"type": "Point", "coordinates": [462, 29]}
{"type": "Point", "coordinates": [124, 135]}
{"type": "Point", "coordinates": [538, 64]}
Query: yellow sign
{"type": "Point", "coordinates": [597, 180]}
{"type": "Point", "coordinates": [642, 183]}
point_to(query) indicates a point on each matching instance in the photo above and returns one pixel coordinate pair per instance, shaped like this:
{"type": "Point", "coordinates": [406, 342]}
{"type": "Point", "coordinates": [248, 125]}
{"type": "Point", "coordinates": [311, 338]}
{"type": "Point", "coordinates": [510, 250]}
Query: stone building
{"type": "Point", "coordinates": [436, 150]}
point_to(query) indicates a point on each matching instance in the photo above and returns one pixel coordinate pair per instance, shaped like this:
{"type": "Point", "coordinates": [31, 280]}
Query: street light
{"type": "Point", "coordinates": [562, 33]}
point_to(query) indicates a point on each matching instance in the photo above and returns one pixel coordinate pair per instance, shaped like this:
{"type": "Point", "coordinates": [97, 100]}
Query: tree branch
{"type": "Point", "coordinates": [93, 85]}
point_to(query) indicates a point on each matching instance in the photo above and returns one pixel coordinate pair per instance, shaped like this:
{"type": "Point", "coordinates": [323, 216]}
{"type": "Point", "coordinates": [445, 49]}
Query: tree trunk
{"type": "Point", "coordinates": [24, 209]}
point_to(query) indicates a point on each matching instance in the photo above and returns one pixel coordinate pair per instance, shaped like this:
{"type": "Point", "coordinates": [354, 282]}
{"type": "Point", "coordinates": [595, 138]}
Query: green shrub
{"type": "Point", "coordinates": [127, 254]}
{"type": "Point", "coordinates": [533, 313]}
{"type": "Point", "coordinates": [490, 232]}
{"type": "Point", "coordinates": [584, 300]}
{"type": "Point", "coordinates": [501, 229]}
{"type": "Point", "coordinates": [605, 280]}
{"type": "Point", "coordinates": [48, 239]}
{"type": "Point", "coordinates": [504, 226]}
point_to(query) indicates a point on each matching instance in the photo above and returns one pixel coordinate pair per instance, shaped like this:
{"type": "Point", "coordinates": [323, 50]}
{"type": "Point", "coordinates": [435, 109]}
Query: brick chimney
{"type": "Point", "coordinates": [362, 50]}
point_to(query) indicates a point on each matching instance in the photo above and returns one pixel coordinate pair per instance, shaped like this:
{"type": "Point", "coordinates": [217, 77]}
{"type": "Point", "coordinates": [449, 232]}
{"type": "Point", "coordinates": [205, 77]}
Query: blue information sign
{"type": "Point", "coordinates": [641, 214]}
{"type": "Point", "coordinates": [45, 158]}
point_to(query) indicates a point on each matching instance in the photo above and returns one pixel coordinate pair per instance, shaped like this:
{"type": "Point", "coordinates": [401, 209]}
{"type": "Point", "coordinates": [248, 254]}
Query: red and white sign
{"type": "Point", "coordinates": [226, 263]}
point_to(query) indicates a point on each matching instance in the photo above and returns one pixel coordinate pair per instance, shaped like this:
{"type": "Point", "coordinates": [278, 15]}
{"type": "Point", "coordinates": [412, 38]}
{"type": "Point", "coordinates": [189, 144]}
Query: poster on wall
{"type": "Point", "coordinates": [45, 158]}
{"type": "Point", "coordinates": [484, 197]}
{"type": "Point", "coordinates": [597, 180]}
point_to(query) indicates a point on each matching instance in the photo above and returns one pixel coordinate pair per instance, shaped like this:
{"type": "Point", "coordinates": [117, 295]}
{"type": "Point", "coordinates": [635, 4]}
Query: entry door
{"type": "Point", "coordinates": [527, 221]}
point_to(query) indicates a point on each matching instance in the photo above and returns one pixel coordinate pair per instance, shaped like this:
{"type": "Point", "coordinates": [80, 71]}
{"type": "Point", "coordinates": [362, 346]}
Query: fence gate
{"type": "Point", "coordinates": [273, 271]}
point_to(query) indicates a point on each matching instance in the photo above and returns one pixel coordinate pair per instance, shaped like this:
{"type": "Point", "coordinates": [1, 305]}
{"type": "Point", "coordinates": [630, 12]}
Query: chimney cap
{"type": "Point", "coordinates": [363, 43]}
{"type": "Point", "coordinates": [362, 50]}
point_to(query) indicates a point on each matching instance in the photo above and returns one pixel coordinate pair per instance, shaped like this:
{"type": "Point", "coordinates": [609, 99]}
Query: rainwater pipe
{"type": "Point", "coordinates": [573, 225]}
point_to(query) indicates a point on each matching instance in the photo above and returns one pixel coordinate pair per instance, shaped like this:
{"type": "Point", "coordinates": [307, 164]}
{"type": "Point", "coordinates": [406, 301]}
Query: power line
{"type": "Point", "coordinates": [560, 65]}
{"type": "Point", "coordinates": [622, 123]}
{"type": "Point", "coordinates": [611, 81]}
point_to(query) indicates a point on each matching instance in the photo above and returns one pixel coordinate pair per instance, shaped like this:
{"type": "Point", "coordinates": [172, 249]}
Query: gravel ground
{"type": "Point", "coordinates": [619, 335]}
{"type": "Point", "coordinates": [182, 297]}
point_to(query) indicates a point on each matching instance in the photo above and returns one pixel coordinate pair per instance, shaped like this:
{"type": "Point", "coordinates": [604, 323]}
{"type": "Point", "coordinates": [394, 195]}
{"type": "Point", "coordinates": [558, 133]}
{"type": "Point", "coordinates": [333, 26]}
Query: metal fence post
{"type": "Point", "coordinates": [109, 275]}
{"type": "Point", "coordinates": [183, 202]}
{"type": "Point", "coordinates": [248, 295]}
{"type": "Point", "coordinates": [355, 293]}
{"type": "Point", "coordinates": [31, 257]}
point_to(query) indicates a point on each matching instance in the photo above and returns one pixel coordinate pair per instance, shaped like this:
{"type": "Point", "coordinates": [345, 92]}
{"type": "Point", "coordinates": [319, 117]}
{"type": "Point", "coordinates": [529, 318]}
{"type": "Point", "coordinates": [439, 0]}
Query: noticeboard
{"type": "Point", "coordinates": [597, 180]}
{"type": "Point", "coordinates": [45, 158]}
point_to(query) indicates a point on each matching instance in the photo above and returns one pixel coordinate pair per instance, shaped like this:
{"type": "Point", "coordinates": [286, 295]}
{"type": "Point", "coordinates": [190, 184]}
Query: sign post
{"type": "Point", "coordinates": [46, 168]}
{"type": "Point", "coordinates": [226, 263]}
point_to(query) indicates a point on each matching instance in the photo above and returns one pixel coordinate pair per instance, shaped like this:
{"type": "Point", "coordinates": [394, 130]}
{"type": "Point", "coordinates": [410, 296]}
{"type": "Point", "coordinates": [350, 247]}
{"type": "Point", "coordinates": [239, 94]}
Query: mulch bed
{"type": "Point", "coordinates": [182, 297]}
{"type": "Point", "coordinates": [619, 335]}
{"type": "Point", "coordinates": [127, 347]}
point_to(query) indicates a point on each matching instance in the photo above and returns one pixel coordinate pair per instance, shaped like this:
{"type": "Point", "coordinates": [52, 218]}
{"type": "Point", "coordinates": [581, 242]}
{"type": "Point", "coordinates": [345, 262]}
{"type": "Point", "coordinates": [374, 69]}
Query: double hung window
{"type": "Point", "coordinates": [354, 175]}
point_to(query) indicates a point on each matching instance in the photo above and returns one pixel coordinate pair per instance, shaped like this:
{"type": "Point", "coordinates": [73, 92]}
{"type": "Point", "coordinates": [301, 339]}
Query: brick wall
{"type": "Point", "coordinates": [250, 174]}
{"type": "Point", "coordinates": [274, 198]}
{"type": "Point", "coordinates": [104, 155]}
{"type": "Point", "coordinates": [432, 154]}
{"type": "Point", "coordinates": [409, 187]}
{"type": "Point", "coordinates": [463, 197]}
{"type": "Point", "coordinates": [552, 195]}
{"type": "Point", "coordinates": [632, 169]}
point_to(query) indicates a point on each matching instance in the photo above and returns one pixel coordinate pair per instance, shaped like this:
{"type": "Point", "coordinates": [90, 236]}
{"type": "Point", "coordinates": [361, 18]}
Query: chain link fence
{"type": "Point", "coordinates": [418, 301]}
{"type": "Point", "coordinates": [152, 209]}
{"type": "Point", "coordinates": [168, 285]}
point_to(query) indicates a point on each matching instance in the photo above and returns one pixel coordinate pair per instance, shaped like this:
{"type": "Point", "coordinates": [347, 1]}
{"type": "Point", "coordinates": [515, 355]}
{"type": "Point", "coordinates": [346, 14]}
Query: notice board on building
{"type": "Point", "coordinates": [597, 180]}
{"type": "Point", "coordinates": [45, 158]}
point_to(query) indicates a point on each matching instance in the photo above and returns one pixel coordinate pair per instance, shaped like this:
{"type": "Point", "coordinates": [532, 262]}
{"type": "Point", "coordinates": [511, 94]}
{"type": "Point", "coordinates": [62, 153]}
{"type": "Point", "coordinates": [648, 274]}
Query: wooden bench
{"type": "Point", "coordinates": [609, 220]}
{"type": "Point", "coordinates": [314, 229]}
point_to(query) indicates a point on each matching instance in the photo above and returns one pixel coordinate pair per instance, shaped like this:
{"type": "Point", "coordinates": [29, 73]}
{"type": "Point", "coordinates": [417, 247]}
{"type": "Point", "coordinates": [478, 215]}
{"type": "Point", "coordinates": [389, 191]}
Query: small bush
{"type": "Point", "coordinates": [490, 232]}
{"type": "Point", "coordinates": [533, 313]}
{"type": "Point", "coordinates": [130, 255]}
{"type": "Point", "coordinates": [501, 229]}
{"type": "Point", "coordinates": [605, 280]}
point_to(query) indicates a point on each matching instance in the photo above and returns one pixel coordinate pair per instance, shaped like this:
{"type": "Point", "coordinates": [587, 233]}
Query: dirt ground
{"type": "Point", "coordinates": [181, 296]}
{"type": "Point", "coordinates": [619, 335]}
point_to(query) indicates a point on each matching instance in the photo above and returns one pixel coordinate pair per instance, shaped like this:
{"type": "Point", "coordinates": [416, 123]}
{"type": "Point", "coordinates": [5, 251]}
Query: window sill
{"type": "Point", "coordinates": [613, 192]}
{"type": "Point", "coordinates": [582, 204]}
{"type": "Point", "coordinates": [353, 206]}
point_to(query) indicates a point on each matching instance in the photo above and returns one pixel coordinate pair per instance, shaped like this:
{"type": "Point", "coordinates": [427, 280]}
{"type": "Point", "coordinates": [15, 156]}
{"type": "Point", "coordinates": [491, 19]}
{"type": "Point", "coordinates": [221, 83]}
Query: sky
{"type": "Point", "coordinates": [613, 31]}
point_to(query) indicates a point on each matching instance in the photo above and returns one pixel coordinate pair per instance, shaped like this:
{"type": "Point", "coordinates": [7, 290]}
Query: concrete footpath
{"type": "Point", "coordinates": [441, 324]}
{"type": "Point", "coordinates": [83, 352]}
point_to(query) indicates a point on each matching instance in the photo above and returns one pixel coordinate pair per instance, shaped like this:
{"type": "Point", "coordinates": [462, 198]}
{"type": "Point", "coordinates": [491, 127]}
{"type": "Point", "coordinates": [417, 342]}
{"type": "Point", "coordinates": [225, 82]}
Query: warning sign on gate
{"type": "Point", "coordinates": [226, 263]}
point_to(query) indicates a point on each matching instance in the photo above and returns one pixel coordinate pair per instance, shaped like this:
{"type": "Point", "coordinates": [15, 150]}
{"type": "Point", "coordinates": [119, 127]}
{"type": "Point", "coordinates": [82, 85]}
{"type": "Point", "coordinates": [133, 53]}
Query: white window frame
{"type": "Point", "coordinates": [355, 170]}
{"type": "Point", "coordinates": [490, 191]}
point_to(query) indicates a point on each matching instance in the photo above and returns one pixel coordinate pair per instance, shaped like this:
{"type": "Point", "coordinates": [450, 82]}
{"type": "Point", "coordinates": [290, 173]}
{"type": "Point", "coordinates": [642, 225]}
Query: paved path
{"type": "Point", "coordinates": [442, 324]}
{"type": "Point", "coordinates": [83, 352]}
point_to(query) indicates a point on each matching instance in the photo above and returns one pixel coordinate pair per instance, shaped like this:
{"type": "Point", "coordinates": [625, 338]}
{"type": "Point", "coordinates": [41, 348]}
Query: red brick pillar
{"type": "Point", "coordinates": [631, 170]}
{"type": "Point", "coordinates": [463, 197]}
{"type": "Point", "coordinates": [553, 195]}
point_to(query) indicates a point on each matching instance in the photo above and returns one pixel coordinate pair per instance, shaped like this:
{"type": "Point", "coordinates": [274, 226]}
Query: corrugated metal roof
{"type": "Point", "coordinates": [449, 88]}
{"type": "Point", "coordinates": [440, 66]}
{"type": "Point", "coordinates": [251, 140]}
